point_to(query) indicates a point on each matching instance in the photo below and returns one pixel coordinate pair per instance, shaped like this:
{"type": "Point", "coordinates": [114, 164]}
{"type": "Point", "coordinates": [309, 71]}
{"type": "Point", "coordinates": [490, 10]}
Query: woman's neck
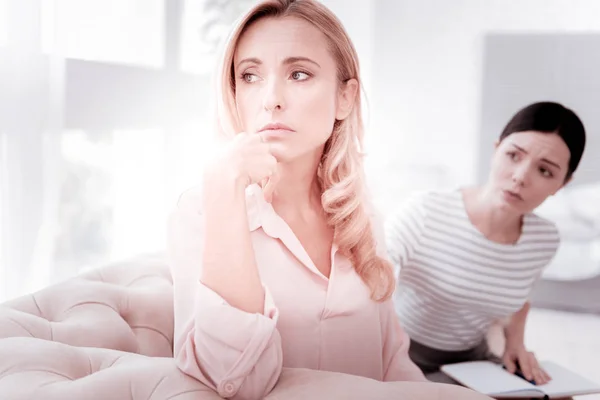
{"type": "Point", "coordinates": [298, 190]}
{"type": "Point", "coordinates": [497, 224]}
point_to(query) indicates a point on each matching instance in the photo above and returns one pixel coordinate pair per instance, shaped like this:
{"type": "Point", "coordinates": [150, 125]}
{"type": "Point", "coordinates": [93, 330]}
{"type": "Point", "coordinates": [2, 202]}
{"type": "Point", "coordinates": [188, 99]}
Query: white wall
{"type": "Point", "coordinates": [427, 69]}
{"type": "Point", "coordinates": [358, 19]}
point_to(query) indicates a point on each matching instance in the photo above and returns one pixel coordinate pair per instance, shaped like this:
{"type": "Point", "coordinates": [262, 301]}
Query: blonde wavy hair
{"type": "Point", "coordinates": [341, 169]}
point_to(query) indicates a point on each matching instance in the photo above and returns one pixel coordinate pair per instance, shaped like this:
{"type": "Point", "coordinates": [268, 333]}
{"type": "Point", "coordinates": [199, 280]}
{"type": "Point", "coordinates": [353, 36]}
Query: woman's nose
{"type": "Point", "coordinates": [273, 96]}
{"type": "Point", "coordinates": [520, 174]}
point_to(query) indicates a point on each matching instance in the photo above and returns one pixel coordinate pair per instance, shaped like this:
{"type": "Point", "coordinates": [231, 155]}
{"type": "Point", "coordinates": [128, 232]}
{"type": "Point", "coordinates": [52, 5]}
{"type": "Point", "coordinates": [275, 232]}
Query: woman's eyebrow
{"type": "Point", "coordinates": [543, 159]}
{"type": "Point", "coordinates": [250, 60]}
{"type": "Point", "coordinates": [292, 60]}
{"type": "Point", "coordinates": [287, 61]}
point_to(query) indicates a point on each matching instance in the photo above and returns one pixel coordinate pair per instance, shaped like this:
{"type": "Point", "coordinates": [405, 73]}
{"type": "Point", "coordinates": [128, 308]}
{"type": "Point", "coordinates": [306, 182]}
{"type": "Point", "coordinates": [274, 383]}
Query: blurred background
{"type": "Point", "coordinates": [105, 115]}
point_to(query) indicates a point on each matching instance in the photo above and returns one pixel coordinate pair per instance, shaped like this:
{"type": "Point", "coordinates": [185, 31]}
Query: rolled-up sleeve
{"type": "Point", "coordinates": [236, 353]}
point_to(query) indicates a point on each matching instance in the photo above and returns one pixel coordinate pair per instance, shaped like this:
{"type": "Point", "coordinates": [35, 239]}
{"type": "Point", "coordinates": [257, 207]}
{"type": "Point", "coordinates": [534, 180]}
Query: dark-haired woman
{"type": "Point", "coordinates": [469, 257]}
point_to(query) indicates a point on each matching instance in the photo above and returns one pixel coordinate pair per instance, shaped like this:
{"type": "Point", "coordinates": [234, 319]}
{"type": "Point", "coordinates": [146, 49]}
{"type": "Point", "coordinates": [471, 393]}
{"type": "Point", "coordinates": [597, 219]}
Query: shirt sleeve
{"type": "Point", "coordinates": [396, 362]}
{"type": "Point", "coordinates": [552, 238]}
{"type": "Point", "coordinates": [236, 353]}
{"type": "Point", "coordinates": [403, 230]}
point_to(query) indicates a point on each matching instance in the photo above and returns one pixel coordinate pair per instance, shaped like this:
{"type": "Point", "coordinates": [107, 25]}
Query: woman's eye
{"type": "Point", "coordinates": [300, 76]}
{"type": "Point", "coordinates": [546, 172]}
{"type": "Point", "coordinates": [249, 77]}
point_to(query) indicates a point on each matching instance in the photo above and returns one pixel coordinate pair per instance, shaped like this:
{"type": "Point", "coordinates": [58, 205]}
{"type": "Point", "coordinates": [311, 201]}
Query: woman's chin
{"type": "Point", "coordinates": [280, 152]}
{"type": "Point", "coordinates": [285, 153]}
{"type": "Point", "coordinates": [507, 206]}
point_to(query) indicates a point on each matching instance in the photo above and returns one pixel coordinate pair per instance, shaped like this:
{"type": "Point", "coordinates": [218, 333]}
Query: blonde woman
{"type": "Point", "coordinates": [274, 257]}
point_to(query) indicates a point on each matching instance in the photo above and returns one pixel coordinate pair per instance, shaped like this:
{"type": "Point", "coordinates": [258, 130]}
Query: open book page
{"type": "Point", "coordinates": [566, 383]}
{"type": "Point", "coordinates": [491, 379]}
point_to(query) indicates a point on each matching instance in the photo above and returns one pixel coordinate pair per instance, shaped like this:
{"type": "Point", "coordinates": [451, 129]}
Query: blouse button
{"type": "Point", "coordinates": [229, 388]}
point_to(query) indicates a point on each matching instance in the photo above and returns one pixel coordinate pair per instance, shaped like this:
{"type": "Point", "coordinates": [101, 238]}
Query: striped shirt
{"type": "Point", "coordinates": [453, 282]}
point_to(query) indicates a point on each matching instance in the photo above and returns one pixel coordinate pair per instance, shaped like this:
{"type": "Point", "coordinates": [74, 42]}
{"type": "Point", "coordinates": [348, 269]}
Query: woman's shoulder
{"type": "Point", "coordinates": [541, 227]}
{"type": "Point", "coordinates": [190, 200]}
{"type": "Point", "coordinates": [423, 203]}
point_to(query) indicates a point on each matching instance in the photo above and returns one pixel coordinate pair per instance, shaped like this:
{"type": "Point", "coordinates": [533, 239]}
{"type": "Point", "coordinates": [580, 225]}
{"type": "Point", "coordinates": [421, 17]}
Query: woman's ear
{"type": "Point", "coordinates": [346, 98]}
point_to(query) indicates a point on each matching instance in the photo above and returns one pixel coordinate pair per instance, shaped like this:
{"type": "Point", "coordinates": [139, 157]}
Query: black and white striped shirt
{"type": "Point", "coordinates": [453, 282]}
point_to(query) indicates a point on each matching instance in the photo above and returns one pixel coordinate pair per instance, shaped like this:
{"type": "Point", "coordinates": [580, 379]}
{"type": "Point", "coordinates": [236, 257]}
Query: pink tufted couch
{"type": "Point", "coordinates": [107, 334]}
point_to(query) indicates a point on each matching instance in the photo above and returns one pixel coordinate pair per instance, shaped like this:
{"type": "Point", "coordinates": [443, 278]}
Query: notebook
{"type": "Point", "coordinates": [493, 380]}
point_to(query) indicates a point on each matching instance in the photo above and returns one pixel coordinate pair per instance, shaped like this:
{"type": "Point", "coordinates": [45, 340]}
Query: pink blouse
{"type": "Point", "coordinates": [309, 321]}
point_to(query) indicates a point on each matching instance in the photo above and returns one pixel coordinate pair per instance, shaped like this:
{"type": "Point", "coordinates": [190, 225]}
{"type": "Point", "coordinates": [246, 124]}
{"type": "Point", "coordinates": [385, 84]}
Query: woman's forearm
{"type": "Point", "coordinates": [229, 264]}
{"type": "Point", "coordinates": [514, 331]}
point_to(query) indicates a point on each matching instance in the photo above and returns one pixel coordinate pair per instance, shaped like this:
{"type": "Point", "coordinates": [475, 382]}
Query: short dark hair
{"type": "Point", "coordinates": [550, 117]}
